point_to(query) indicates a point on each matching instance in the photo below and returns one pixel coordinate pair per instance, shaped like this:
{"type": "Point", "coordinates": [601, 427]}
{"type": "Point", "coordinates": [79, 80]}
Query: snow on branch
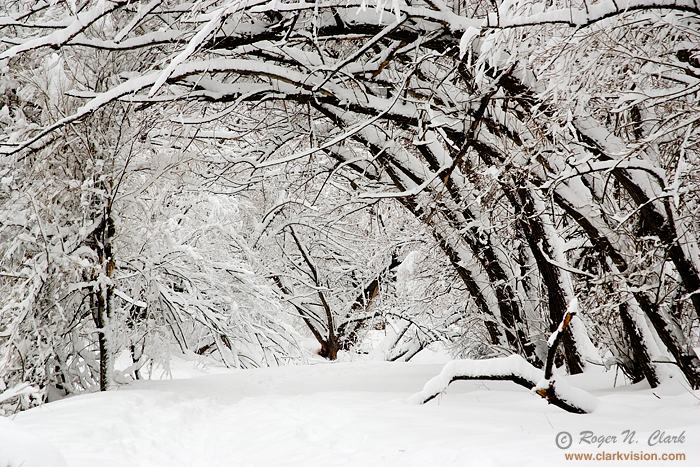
{"type": "Point", "coordinates": [22, 389]}
{"type": "Point", "coordinates": [193, 45]}
{"type": "Point", "coordinates": [528, 13]}
{"type": "Point", "coordinates": [135, 85]}
{"type": "Point", "coordinates": [62, 36]}
{"type": "Point", "coordinates": [411, 192]}
{"type": "Point", "coordinates": [137, 19]}
{"type": "Point", "coordinates": [513, 368]}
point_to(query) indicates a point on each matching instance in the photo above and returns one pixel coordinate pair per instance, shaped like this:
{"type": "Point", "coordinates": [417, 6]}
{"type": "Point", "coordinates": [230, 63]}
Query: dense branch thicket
{"type": "Point", "coordinates": [549, 152]}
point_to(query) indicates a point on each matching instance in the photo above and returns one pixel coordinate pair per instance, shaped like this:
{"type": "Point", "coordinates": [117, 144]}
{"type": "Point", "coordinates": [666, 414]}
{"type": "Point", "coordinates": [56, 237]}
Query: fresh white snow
{"type": "Point", "coordinates": [336, 414]}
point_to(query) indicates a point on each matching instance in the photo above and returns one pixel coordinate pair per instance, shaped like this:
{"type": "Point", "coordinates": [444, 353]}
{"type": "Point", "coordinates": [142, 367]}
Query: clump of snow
{"type": "Point", "coordinates": [466, 40]}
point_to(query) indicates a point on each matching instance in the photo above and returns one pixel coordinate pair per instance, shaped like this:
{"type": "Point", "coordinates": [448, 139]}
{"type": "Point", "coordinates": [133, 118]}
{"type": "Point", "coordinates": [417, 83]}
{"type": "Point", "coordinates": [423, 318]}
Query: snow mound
{"type": "Point", "coordinates": [20, 447]}
{"type": "Point", "coordinates": [340, 415]}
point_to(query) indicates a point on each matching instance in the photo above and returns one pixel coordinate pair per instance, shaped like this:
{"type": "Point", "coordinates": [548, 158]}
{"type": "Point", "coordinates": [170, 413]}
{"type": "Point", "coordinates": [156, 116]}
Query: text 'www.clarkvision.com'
{"type": "Point", "coordinates": [623, 447]}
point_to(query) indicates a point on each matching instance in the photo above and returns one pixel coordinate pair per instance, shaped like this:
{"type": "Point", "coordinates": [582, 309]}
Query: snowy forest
{"type": "Point", "coordinates": [514, 181]}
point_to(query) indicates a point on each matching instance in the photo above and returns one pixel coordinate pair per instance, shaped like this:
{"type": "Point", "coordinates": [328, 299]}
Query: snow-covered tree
{"type": "Point", "coordinates": [104, 248]}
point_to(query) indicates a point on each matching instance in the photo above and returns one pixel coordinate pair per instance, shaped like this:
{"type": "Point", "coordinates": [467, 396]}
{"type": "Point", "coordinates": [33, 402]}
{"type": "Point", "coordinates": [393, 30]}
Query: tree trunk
{"type": "Point", "coordinates": [639, 348]}
{"type": "Point", "coordinates": [557, 297]}
{"type": "Point", "coordinates": [101, 240]}
{"type": "Point", "coordinates": [687, 361]}
{"type": "Point", "coordinates": [104, 334]}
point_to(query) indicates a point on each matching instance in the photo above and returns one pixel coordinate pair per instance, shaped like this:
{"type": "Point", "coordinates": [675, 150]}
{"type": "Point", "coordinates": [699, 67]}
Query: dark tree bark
{"type": "Point", "coordinates": [101, 294]}
{"type": "Point", "coordinates": [640, 352]}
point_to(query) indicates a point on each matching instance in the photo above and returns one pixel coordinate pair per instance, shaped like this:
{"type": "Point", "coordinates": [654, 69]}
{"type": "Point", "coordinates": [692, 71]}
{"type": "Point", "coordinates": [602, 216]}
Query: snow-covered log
{"type": "Point", "coordinates": [513, 368]}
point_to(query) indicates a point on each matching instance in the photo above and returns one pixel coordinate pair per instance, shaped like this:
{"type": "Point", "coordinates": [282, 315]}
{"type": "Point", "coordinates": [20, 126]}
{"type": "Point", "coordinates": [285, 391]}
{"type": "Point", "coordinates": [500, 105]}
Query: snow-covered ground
{"type": "Point", "coordinates": [348, 413]}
